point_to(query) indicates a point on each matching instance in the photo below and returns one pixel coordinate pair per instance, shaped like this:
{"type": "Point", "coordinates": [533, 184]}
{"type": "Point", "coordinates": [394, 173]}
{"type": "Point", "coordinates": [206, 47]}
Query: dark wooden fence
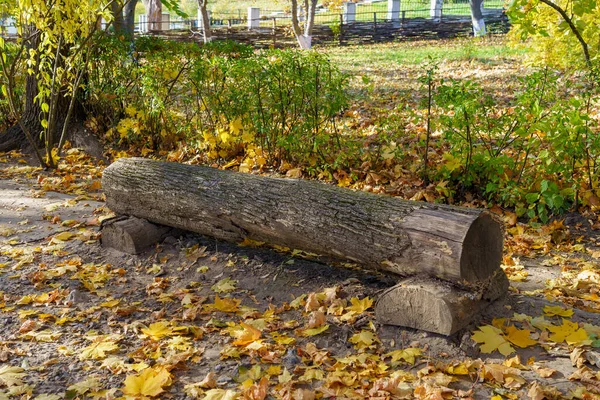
{"type": "Point", "coordinates": [355, 32]}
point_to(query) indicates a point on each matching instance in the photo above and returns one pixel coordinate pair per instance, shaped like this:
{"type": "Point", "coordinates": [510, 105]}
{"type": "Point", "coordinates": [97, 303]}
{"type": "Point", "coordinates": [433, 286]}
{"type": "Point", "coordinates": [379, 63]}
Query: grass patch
{"type": "Point", "coordinates": [352, 58]}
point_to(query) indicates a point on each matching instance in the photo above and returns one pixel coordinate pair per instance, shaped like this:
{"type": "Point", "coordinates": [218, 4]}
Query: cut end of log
{"type": "Point", "coordinates": [436, 306]}
{"type": "Point", "coordinates": [132, 235]}
{"type": "Point", "coordinates": [482, 249]}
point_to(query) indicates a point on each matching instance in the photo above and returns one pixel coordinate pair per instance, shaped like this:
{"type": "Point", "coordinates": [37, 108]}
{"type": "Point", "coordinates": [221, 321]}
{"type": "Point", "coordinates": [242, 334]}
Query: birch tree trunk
{"type": "Point", "coordinates": [206, 31]}
{"type": "Point", "coordinates": [477, 17]}
{"type": "Point", "coordinates": [304, 36]}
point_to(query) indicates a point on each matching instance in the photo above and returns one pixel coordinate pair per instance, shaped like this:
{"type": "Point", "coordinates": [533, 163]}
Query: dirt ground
{"type": "Point", "coordinates": [77, 319]}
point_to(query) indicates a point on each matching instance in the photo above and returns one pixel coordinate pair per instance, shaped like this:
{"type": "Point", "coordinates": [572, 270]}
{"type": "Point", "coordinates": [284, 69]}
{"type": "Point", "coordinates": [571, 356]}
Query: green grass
{"type": "Point", "coordinates": [414, 53]}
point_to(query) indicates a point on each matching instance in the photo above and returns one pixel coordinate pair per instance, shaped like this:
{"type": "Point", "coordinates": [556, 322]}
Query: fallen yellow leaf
{"type": "Point", "coordinates": [519, 337]}
{"type": "Point", "coordinates": [149, 382]}
{"type": "Point", "coordinates": [492, 340]}
{"type": "Point", "coordinates": [551, 311]}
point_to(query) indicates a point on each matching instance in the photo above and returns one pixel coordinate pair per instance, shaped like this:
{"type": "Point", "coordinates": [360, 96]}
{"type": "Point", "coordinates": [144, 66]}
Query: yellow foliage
{"type": "Point", "coordinates": [492, 340]}
{"type": "Point", "coordinates": [149, 383]}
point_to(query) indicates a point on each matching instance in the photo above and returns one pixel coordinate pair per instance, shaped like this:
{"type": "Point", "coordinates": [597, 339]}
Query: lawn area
{"type": "Point", "coordinates": [385, 76]}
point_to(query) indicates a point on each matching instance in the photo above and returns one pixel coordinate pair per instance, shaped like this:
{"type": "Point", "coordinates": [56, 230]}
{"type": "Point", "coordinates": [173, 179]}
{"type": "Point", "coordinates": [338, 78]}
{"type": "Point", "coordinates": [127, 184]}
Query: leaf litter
{"type": "Point", "coordinates": [218, 321]}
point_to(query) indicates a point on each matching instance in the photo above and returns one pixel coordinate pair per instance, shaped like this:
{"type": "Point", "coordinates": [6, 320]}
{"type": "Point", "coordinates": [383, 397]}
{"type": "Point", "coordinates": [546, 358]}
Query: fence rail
{"type": "Point", "coordinates": [352, 23]}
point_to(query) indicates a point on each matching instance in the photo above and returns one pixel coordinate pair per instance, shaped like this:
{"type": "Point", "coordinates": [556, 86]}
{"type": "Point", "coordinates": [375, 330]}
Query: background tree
{"type": "Point", "coordinates": [124, 17]}
{"type": "Point", "coordinates": [304, 36]}
{"type": "Point", "coordinates": [206, 31]}
{"type": "Point", "coordinates": [154, 14]}
{"type": "Point", "coordinates": [560, 31]}
{"type": "Point", "coordinates": [477, 17]}
{"type": "Point", "coordinates": [55, 41]}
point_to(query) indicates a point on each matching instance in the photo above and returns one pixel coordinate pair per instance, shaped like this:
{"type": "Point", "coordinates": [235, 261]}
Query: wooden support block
{"type": "Point", "coordinates": [132, 235]}
{"type": "Point", "coordinates": [437, 306]}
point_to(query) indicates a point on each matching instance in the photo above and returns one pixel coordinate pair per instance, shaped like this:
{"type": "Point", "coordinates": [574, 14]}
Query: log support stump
{"type": "Point", "coordinates": [132, 235]}
{"type": "Point", "coordinates": [437, 306]}
{"type": "Point", "coordinates": [452, 253]}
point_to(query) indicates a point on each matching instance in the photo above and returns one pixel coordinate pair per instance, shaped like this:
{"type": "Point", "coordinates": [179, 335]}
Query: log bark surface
{"type": "Point", "coordinates": [386, 233]}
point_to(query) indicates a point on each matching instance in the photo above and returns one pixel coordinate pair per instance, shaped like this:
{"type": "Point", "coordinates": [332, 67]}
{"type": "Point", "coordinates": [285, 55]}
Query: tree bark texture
{"type": "Point", "coordinates": [477, 17]}
{"type": "Point", "coordinates": [118, 20]}
{"type": "Point", "coordinates": [382, 232]}
{"type": "Point", "coordinates": [206, 31]}
{"type": "Point", "coordinates": [14, 138]}
{"type": "Point", "coordinates": [129, 16]}
{"type": "Point", "coordinates": [154, 14]}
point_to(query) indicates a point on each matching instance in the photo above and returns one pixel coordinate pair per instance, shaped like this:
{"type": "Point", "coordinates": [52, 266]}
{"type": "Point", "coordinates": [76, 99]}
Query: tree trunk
{"type": "Point", "coordinates": [129, 18]}
{"type": "Point", "coordinates": [304, 38]}
{"type": "Point", "coordinates": [118, 20]}
{"type": "Point", "coordinates": [206, 31]}
{"type": "Point", "coordinates": [14, 138]}
{"type": "Point", "coordinates": [154, 14]}
{"type": "Point", "coordinates": [477, 17]}
{"type": "Point", "coordinates": [386, 233]}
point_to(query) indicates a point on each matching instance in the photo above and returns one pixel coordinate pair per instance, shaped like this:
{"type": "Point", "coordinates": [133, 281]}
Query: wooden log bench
{"type": "Point", "coordinates": [447, 258]}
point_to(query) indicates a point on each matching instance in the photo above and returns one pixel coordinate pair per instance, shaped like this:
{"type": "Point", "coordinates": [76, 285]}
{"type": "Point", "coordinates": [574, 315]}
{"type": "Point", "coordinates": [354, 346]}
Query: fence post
{"type": "Point", "coordinates": [165, 22]}
{"type": "Point", "coordinates": [349, 12]}
{"type": "Point", "coordinates": [374, 23]}
{"type": "Point", "coordinates": [253, 17]}
{"type": "Point", "coordinates": [436, 10]}
{"type": "Point", "coordinates": [393, 10]}
{"type": "Point", "coordinates": [341, 38]}
{"type": "Point", "coordinates": [143, 23]}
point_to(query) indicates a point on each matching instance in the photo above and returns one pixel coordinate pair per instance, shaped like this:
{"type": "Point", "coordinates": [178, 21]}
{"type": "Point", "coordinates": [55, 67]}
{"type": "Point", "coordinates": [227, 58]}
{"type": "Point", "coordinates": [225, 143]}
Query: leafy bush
{"type": "Point", "coordinates": [537, 155]}
{"type": "Point", "coordinates": [224, 99]}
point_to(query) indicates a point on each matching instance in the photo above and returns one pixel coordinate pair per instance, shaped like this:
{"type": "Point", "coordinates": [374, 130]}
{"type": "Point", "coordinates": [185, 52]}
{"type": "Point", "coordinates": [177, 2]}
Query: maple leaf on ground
{"type": "Point", "coordinates": [551, 311]}
{"type": "Point", "coordinates": [227, 305]}
{"type": "Point", "coordinates": [224, 285]}
{"type": "Point", "coordinates": [312, 374]}
{"type": "Point", "coordinates": [64, 236]}
{"type": "Point", "coordinates": [492, 340]}
{"type": "Point", "coordinates": [98, 350]}
{"type": "Point", "coordinates": [88, 385]}
{"type": "Point", "coordinates": [148, 383]}
{"type": "Point", "coordinates": [246, 336]}
{"type": "Point", "coordinates": [363, 339]}
{"type": "Point", "coordinates": [360, 306]}
{"type": "Point", "coordinates": [543, 372]}
{"type": "Point", "coordinates": [407, 355]}
{"type": "Point", "coordinates": [11, 376]}
{"type": "Point", "coordinates": [316, 319]}
{"type": "Point", "coordinates": [257, 391]}
{"type": "Point", "coordinates": [45, 335]}
{"type": "Point", "coordinates": [159, 330]}
{"type": "Point", "coordinates": [569, 332]}
{"type": "Point", "coordinates": [519, 337]}
{"type": "Point", "coordinates": [312, 331]}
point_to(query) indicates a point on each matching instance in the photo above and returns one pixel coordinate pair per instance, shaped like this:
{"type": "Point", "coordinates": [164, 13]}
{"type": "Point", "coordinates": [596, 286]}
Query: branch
{"type": "Point", "coordinates": [569, 21]}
